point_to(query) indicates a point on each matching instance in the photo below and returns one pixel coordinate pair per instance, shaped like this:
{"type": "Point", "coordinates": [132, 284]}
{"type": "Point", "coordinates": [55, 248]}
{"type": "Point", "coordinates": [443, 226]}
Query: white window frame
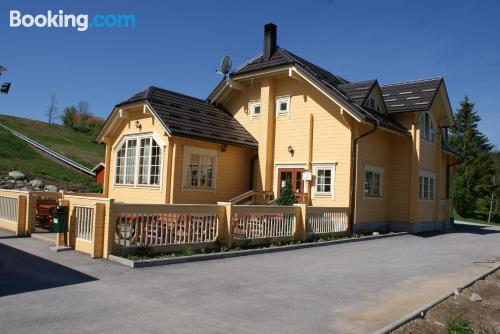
{"type": "Point", "coordinates": [423, 175]}
{"type": "Point", "coordinates": [185, 161]}
{"type": "Point", "coordinates": [427, 130]}
{"type": "Point", "coordinates": [279, 100]}
{"type": "Point", "coordinates": [251, 108]}
{"type": "Point", "coordinates": [376, 170]}
{"type": "Point", "coordinates": [331, 193]}
{"type": "Point", "coordinates": [138, 138]}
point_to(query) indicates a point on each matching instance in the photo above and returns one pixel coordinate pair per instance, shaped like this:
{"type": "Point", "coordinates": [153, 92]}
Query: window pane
{"type": "Point", "coordinates": [256, 110]}
{"type": "Point", "coordinates": [431, 188]}
{"type": "Point", "coordinates": [426, 187]}
{"type": "Point", "coordinates": [130, 157]}
{"type": "Point", "coordinates": [144, 160]}
{"type": "Point", "coordinates": [283, 106]}
{"type": "Point", "coordinates": [420, 187]}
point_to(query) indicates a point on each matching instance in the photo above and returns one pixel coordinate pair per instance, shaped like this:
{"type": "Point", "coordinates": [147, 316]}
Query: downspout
{"type": "Point", "coordinates": [354, 152]}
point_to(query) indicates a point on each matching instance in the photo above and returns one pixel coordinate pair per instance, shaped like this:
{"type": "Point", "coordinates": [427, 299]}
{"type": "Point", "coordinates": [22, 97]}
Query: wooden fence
{"type": "Point", "coordinates": [324, 220]}
{"type": "Point", "coordinates": [99, 227]}
{"type": "Point", "coordinates": [166, 225]}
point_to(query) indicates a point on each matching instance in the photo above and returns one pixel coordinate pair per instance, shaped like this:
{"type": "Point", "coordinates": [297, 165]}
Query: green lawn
{"type": "Point", "coordinates": [73, 144]}
{"type": "Point", "coordinates": [474, 219]}
{"type": "Point", "coordinates": [15, 154]}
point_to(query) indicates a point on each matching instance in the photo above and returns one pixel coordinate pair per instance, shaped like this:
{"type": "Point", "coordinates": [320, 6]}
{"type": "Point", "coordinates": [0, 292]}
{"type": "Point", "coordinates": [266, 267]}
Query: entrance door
{"type": "Point", "coordinates": [294, 176]}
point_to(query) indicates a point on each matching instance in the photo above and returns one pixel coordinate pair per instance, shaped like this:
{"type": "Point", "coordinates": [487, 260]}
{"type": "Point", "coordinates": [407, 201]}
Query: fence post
{"type": "Point", "coordinates": [225, 224]}
{"type": "Point", "coordinates": [300, 232]}
{"type": "Point", "coordinates": [21, 214]}
{"type": "Point", "coordinates": [109, 227]}
{"type": "Point", "coordinates": [98, 230]}
{"type": "Point", "coordinates": [30, 213]}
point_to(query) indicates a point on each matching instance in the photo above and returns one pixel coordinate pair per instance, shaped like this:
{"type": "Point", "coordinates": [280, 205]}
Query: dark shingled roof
{"type": "Point", "coordinates": [358, 91]}
{"type": "Point", "coordinates": [410, 96]}
{"type": "Point", "coordinates": [186, 116]}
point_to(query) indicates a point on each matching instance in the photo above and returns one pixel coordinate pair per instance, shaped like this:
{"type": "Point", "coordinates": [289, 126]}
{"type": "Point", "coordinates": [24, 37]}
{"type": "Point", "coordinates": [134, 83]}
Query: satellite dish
{"type": "Point", "coordinates": [225, 66]}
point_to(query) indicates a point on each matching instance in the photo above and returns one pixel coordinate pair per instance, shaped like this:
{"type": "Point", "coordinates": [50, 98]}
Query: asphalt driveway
{"type": "Point", "coordinates": [348, 288]}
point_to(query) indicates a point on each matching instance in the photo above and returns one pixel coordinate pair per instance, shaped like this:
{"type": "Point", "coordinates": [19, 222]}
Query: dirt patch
{"type": "Point", "coordinates": [482, 317]}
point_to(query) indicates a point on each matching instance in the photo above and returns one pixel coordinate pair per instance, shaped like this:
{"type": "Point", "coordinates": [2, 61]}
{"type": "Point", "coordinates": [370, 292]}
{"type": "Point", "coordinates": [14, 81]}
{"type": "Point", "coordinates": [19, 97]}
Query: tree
{"type": "Point", "coordinates": [52, 110]}
{"type": "Point", "coordinates": [83, 110]}
{"type": "Point", "coordinates": [287, 197]}
{"type": "Point", "coordinates": [473, 177]}
{"type": "Point", "coordinates": [68, 116]}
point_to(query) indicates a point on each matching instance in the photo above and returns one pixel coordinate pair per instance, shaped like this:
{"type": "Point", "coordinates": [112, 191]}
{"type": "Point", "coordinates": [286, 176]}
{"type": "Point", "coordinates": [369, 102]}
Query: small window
{"type": "Point", "coordinates": [373, 181]}
{"type": "Point", "coordinates": [427, 127]}
{"type": "Point", "coordinates": [254, 107]}
{"type": "Point", "coordinates": [199, 168]}
{"type": "Point", "coordinates": [323, 180]}
{"type": "Point", "coordinates": [427, 186]}
{"type": "Point", "coordinates": [283, 106]}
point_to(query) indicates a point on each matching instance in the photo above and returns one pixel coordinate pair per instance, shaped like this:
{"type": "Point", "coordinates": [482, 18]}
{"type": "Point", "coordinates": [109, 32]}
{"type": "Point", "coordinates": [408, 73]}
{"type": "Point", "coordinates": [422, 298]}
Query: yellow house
{"type": "Point", "coordinates": [379, 150]}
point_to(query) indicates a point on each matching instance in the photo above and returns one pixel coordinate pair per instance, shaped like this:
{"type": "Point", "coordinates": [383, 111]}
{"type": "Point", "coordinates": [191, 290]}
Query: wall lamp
{"type": "Point", "coordinates": [138, 125]}
{"type": "Point", "coordinates": [290, 149]}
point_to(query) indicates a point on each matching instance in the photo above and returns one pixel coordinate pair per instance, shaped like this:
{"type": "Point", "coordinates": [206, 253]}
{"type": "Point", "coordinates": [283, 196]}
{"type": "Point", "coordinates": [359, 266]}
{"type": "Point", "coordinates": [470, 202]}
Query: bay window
{"type": "Point", "coordinates": [138, 161]}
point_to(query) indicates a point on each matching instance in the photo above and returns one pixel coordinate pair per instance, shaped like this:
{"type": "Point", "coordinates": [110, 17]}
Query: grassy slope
{"type": "Point", "coordinates": [473, 220]}
{"type": "Point", "coordinates": [75, 145]}
{"type": "Point", "coordinates": [15, 154]}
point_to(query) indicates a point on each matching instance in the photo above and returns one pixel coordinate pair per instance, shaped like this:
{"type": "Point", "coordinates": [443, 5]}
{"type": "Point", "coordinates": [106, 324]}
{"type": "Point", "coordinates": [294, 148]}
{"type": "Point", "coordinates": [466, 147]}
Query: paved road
{"type": "Point", "coordinates": [349, 288]}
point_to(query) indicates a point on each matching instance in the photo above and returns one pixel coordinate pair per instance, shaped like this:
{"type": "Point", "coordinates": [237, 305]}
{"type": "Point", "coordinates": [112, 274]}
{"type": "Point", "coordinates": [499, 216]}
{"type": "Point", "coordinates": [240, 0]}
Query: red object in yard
{"type": "Point", "coordinates": [99, 173]}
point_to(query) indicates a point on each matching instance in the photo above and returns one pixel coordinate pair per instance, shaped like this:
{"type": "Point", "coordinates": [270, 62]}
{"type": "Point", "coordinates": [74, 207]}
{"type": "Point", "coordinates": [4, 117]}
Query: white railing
{"type": "Point", "coordinates": [8, 209]}
{"type": "Point", "coordinates": [167, 225]}
{"type": "Point", "coordinates": [326, 219]}
{"type": "Point", "coordinates": [258, 221]}
{"type": "Point", "coordinates": [84, 218]}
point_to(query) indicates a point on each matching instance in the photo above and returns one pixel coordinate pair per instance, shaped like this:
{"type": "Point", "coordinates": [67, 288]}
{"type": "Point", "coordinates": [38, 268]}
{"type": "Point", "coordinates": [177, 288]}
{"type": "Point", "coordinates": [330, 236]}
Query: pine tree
{"type": "Point", "coordinates": [473, 177]}
{"type": "Point", "coordinates": [287, 197]}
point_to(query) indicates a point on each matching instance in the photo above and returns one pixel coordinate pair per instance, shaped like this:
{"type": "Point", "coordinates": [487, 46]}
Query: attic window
{"type": "Point", "coordinates": [283, 106]}
{"type": "Point", "coordinates": [372, 104]}
{"type": "Point", "coordinates": [254, 107]}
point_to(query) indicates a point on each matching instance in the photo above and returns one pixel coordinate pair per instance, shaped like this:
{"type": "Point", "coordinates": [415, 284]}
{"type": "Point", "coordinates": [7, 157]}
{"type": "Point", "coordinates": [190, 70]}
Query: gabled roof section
{"type": "Point", "coordinates": [410, 96]}
{"type": "Point", "coordinates": [187, 116]}
{"type": "Point", "coordinates": [358, 91]}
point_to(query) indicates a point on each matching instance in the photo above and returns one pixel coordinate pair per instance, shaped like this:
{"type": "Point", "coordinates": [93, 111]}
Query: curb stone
{"type": "Point", "coordinates": [246, 252]}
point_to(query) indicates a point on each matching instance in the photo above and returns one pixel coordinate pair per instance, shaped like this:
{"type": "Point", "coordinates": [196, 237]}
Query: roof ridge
{"type": "Point", "coordinates": [413, 81]}
{"type": "Point", "coordinates": [174, 92]}
{"type": "Point", "coordinates": [358, 82]}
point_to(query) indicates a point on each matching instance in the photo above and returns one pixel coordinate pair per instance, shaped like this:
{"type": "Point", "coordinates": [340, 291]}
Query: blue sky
{"type": "Point", "coordinates": [178, 45]}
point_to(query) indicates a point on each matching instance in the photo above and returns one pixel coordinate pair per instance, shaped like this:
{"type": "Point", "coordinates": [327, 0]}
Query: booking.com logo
{"type": "Point", "coordinates": [61, 20]}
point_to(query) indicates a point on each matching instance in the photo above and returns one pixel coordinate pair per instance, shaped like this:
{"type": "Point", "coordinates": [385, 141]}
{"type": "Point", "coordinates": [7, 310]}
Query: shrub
{"type": "Point", "coordinates": [287, 197]}
{"type": "Point", "coordinates": [459, 327]}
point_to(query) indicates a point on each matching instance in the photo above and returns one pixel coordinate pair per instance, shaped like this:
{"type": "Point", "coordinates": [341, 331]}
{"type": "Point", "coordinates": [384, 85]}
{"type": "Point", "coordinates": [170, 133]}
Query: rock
{"type": "Point", "coordinates": [51, 188]}
{"type": "Point", "coordinates": [456, 292]}
{"type": "Point", "coordinates": [375, 233]}
{"type": "Point", "coordinates": [37, 183]}
{"type": "Point", "coordinates": [475, 298]}
{"type": "Point", "coordinates": [16, 175]}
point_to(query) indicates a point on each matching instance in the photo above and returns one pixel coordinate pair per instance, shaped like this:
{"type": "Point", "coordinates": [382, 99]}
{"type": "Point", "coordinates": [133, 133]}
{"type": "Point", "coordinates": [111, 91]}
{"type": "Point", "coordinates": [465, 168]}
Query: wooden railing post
{"type": "Point", "coordinates": [21, 214]}
{"type": "Point", "coordinates": [98, 230]}
{"type": "Point", "coordinates": [300, 233]}
{"type": "Point", "coordinates": [225, 222]}
{"type": "Point", "coordinates": [109, 227]}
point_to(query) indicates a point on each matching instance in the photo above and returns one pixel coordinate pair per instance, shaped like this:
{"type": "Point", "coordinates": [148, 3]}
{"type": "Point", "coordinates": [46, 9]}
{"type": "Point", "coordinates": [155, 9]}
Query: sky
{"type": "Point", "coordinates": [177, 45]}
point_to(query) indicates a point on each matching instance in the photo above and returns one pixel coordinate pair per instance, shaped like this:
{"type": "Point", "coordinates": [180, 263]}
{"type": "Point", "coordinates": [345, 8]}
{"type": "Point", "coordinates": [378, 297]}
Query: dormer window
{"type": "Point", "coordinates": [372, 104]}
{"type": "Point", "coordinates": [427, 127]}
{"type": "Point", "coordinates": [254, 107]}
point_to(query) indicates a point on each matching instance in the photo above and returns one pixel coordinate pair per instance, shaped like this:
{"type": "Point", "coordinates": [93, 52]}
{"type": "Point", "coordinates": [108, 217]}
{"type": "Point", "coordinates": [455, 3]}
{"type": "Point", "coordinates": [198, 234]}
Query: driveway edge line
{"type": "Point", "coordinates": [215, 256]}
{"type": "Point", "coordinates": [423, 309]}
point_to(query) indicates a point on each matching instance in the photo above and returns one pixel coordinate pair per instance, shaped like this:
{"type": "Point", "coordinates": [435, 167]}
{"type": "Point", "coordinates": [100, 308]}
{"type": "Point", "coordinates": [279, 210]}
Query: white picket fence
{"type": "Point", "coordinates": [257, 222]}
{"type": "Point", "coordinates": [326, 220]}
{"type": "Point", "coordinates": [8, 209]}
{"type": "Point", "coordinates": [167, 225]}
{"type": "Point", "coordinates": [84, 217]}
